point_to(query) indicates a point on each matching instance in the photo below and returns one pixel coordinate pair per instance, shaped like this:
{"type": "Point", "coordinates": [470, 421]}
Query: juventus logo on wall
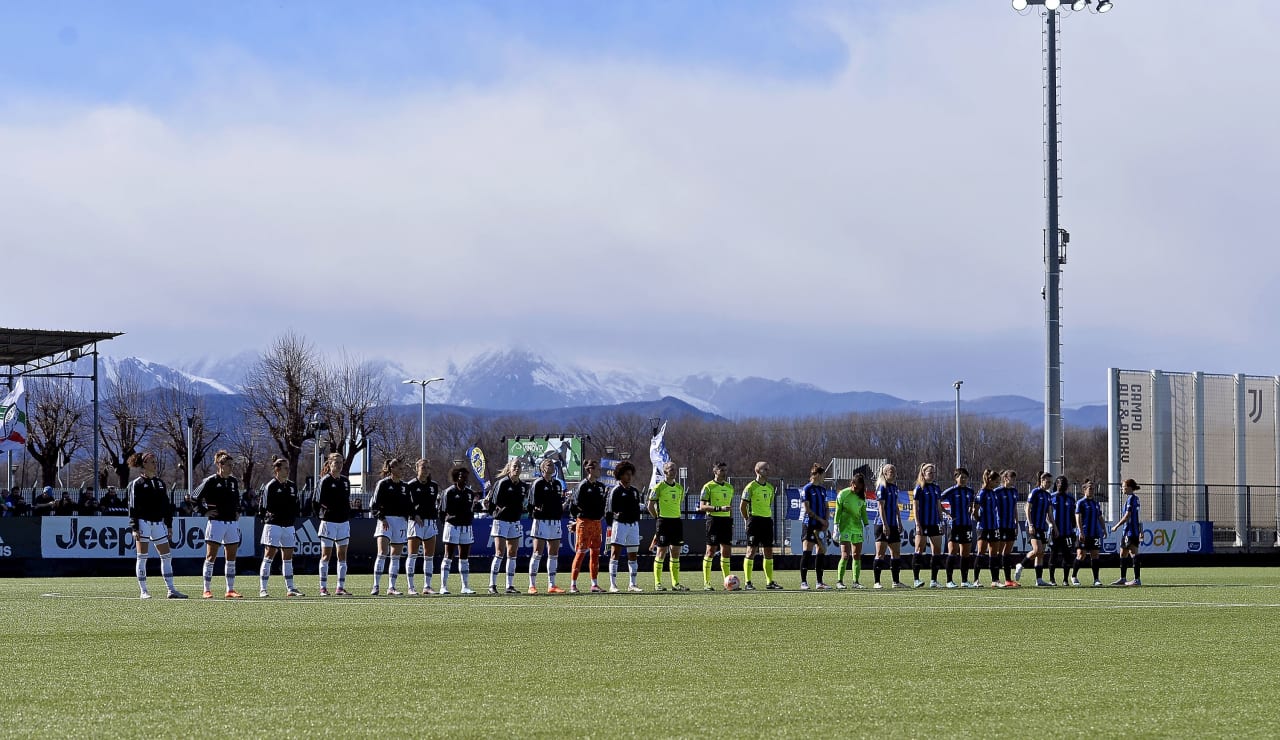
{"type": "Point", "coordinates": [1255, 405]}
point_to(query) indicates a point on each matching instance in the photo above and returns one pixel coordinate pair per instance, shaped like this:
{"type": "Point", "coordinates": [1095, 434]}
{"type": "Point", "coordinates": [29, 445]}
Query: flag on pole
{"type": "Point", "coordinates": [476, 457]}
{"type": "Point", "coordinates": [13, 420]}
{"type": "Point", "coordinates": [658, 455]}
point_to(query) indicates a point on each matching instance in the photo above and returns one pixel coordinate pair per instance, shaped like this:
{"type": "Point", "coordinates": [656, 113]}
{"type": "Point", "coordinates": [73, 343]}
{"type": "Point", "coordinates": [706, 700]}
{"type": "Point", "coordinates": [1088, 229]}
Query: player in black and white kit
{"type": "Point", "coordinates": [335, 523]}
{"type": "Point", "coordinates": [457, 503]}
{"type": "Point", "coordinates": [151, 519]}
{"type": "Point", "coordinates": [622, 513]}
{"type": "Point", "coordinates": [390, 506]}
{"type": "Point", "coordinates": [506, 503]}
{"type": "Point", "coordinates": [279, 518]}
{"type": "Point", "coordinates": [424, 512]}
{"type": "Point", "coordinates": [218, 497]}
{"type": "Point", "coordinates": [546, 508]}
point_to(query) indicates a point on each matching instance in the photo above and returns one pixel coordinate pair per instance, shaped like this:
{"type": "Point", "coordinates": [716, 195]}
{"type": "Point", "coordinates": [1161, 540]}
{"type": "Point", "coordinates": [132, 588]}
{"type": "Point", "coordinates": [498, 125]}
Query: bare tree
{"type": "Point", "coordinates": [355, 405]}
{"type": "Point", "coordinates": [55, 425]}
{"type": "Point", "coordinates": [125, 421]}
{"type": "Point", "coordinates": [171, 408]}
{"type": "Point", "coordinates": [283, 390]}
{"type": "Point", "coordinates": [248, 444]}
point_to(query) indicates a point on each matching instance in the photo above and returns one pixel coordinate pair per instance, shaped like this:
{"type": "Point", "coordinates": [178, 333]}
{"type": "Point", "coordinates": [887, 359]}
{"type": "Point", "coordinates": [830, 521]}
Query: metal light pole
{"type": "Point", "coordinates": [191, 422]}
{"type": "Point", "coordinates": [424, 382]}
{"type": "Point", "coordinates": [958, 383]}
{"type": "Point", "coordinates": [1055, 238]}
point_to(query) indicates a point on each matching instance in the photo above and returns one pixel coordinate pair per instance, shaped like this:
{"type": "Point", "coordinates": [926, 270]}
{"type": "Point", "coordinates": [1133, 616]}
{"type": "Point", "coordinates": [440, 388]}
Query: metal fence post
{"type": "Point", "coordinates": [1248, 523]}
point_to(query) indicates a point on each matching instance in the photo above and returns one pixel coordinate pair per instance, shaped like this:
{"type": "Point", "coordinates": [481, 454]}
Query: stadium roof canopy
{"type": "Point", "coordinates": [41, 347]}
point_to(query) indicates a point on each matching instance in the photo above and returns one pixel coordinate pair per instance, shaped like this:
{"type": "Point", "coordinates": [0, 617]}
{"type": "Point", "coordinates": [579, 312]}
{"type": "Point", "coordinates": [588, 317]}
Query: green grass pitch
{"type": "Point", "coordinates": [1191, 653]}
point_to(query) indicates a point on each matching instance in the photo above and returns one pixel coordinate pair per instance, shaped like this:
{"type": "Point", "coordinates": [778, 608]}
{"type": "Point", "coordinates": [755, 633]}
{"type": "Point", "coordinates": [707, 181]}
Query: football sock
{"type": "Point", "coordinates": [166, 570]}
{"type": "Point", "coordinates": [895, 566]}
{"type": "Point", "coordinates": [995, 566]}
{"type": "Point", "coordinates": [748, 565]}
{"type": "Point", "coordinates": [410, 563]}
{"type": "Point", "coordinates": [634, 567]}
{"type": "Point", "coordinates": [657, 572]}
{"type": "Point", "coordinates": [1137, 569]}
{"type": "Point", "coordinates": [857, 568]}
{"type": "Point", "coordinates": [379, 567]}
{"type": "Point", "coordinates": [286, 569]}
{"type": "Point", "coordinates": [1093, 563]}
{"type": "Point", "coordinates": [915, 565]}
{"type": "Point", "coordinates": [428, 563]}
{"type": "Point", "coordinates": [264, 572]}
{"type": "Point", "coordinates": [877, 566]}
{"type": "Point", "coordinates": [229, 570]}
{"type": "Point", "coordinates": [324, 573]}
{"type": "Point", "coordinates": [464, 568]}
{"type": "Point", "coordinates": [817, 565]}
{"type": "Point", "coordinates": [935, 565]}
{"type": "Point", "coordinates": [965, 564]}
{"type": "Point", "coordinates": [806, 560]}
{"type": "Point", "coordinates": [1124, 569]}
{"type": "Point", "coordinates": [675, 571]}
{"type": "Point", "coordinates": [534, 562]}
{"type": "Point", "coordinates": [494, 568]}
{"type": "Point", "coordinates": [342, 574]}
{"type": "Point", "coordinates": [725, 563]}
{"type": "Point", "coordinates": [706, 571]}
{"type": "Point", "coordinates": [768, 569]}
{"type": "Point", "coordinates": [1008, 565]}
{"type": "Point", "coordinates": [952, 562]}
{"type": "Point", "coordinates": [445, 562]}
{"type": "Point", "coordinates": [552, 566]}
{"type": "Point", "coordinates": [1039, 572]}
{"type": "Point", "coordinates": [511, 572]}
{"type": "Point", "coordinates": [613, 571]}
{"type": "Point", "coordinates": [840, 569]}
{"type": "Point", "coordinates": [208, 575]}
{"type": "Point", "coordinates": [394, 571]}
{"type": "Point", "coordinates": [140, 568]}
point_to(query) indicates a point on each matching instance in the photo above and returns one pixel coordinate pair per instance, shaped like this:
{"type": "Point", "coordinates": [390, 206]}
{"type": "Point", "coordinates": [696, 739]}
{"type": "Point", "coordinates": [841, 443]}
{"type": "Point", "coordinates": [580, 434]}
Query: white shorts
{"type": "Point", "coordinates": [223, 533]}
{"type": "Point", "coordinates": [276, 535]}
{"type": "Point", "coordinates": [627, 535]}
{"type": "Point", "coordinates": [457, 535]}
{"type": "Point", "coordinates": [547, 529]}
{"type": "Point", "coordinates": [152, 531]}
{"type": "Point", "coordinates": [506, 530]}
{"type": "Point", "coordinates": [334, 533]}
{"type": "Point", "coordinates": [425, 531]}
{"type": "Point", "coordinates": [393, 528]}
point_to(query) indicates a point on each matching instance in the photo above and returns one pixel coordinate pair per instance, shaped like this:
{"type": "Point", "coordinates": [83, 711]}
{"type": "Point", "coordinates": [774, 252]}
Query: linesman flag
{"type": "Point", "coordinates": [13, 420]}
{"type": "Point", "coordinates": [658, 455]}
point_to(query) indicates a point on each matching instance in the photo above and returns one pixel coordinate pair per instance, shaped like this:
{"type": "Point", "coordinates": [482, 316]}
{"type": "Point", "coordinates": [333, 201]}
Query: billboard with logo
{"type": "Point", "coordinates": [565, 451]}
{"type": "Point", "coordinates": [111, 537]}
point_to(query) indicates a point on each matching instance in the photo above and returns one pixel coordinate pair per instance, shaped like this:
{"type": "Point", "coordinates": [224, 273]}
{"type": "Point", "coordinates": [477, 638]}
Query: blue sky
{"type": "Point", "coordinates": [844, 193]}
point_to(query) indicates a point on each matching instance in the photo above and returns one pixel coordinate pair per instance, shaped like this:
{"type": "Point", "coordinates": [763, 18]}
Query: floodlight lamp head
{"type": "Point", "coordinates": [1104, 6]}
{"type": "Point", "coordinates": [1079, 5]}
{"type": "Point", "coordinates": [1052, 4]}
{"type": "Point", "coordinates": [1019, 5]}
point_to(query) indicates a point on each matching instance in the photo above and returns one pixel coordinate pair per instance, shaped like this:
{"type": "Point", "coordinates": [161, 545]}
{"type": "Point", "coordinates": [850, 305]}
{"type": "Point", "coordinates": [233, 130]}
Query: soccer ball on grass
{"type": "Point", "coordinates": [731, 583]}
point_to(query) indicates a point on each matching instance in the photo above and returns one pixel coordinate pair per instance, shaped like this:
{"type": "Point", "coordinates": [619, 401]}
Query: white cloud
{"type": "Point", "coordinates": [895, 206]}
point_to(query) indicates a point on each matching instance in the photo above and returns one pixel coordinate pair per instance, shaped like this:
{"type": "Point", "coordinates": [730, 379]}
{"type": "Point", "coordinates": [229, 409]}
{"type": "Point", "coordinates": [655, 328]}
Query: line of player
{"type": "Point", "coordinates": [412, 513]}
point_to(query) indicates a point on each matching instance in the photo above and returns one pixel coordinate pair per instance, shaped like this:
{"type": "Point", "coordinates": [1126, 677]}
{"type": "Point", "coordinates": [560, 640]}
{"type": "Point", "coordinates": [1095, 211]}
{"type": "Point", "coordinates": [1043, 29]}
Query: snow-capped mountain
{"type": "Point", "coordinates": [520, 380]}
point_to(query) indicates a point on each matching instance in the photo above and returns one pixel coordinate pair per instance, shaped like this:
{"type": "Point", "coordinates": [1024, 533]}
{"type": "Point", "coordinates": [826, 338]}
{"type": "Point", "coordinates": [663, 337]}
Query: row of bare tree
{"type": "Point", "coordinates": [292, 387]}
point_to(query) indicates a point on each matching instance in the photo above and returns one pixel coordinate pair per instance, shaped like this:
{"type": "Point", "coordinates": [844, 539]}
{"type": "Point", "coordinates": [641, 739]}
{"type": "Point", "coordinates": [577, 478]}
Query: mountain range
{"type": "Point", "coordinates": [518, 380]}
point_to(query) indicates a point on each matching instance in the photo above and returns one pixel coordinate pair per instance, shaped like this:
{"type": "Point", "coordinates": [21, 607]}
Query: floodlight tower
{"type": "Point", "coordinates": [1055, 237]}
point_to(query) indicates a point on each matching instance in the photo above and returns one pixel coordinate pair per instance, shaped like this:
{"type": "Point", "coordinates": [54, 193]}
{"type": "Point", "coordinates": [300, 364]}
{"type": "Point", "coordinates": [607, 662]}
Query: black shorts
{"type": "Point", "coordinates": [760, 531]}
{"type": "Point", "coordinates": [890, 534]}
{"type": "Point", "coordinates": [929, 530]}
{"type": "Point", "coordinates": [1130, 541]}
{"type": "Point", "coordinates": [1039, 536]}
{"type": "Point", "coordinates": [1063, 544]}
{"type": "Point", "coordinates": [1006, 534]}
{"type": "Point", "coordinates": [670, 532]}
{"type": "Point", "coordinates": [1090, 543]}
{"type": "Point", "coordinates": [719, 530]}
{"type": "Point", "coordinates": [813, 533]}
{"type": "Point", "coordinates": [987, 535]}
{"type": "Point", "coordinates": [961, 535]}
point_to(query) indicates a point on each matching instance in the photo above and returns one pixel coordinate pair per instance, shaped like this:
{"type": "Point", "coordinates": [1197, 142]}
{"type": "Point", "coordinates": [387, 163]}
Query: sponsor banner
{"type": "Point", "coordinates": [566, 452]}
{"type": "Point", "coordinates": [1159, 538]}
{"type": "Point", "coordinates": [19, 539]}
{"type": "Point", "coordinates": [110, 537]}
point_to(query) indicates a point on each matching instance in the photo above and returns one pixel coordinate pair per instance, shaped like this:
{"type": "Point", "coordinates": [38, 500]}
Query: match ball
{"type": "Point", "coordinates": [731, 583]}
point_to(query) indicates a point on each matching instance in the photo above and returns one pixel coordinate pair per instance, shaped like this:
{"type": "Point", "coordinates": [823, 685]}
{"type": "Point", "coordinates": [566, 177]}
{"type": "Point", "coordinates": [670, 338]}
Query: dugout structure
{"type": "Point", "coordinates": [38, 353]}
{"type": "Point", "coordinates": [1204, 447]}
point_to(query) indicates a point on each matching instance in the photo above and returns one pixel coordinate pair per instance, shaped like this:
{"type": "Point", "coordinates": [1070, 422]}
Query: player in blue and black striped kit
{"type": "Point", "coordinates": [959, 498]}
{"type": "Point", "coordinates": [987, 515]}
{"type": "Point", "coordinates": [1132, 537]}
{"type": "Point", "coordinates": [1092, 530]}
{"type": "Point", "coordinates": [926, 510]}
{"type": "Point", "coordinates": [1038, 513]}
{"type": "Point", "coordinates": [1006, 498]}
{"type": "Point", "coordinates": [1062, 529]}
